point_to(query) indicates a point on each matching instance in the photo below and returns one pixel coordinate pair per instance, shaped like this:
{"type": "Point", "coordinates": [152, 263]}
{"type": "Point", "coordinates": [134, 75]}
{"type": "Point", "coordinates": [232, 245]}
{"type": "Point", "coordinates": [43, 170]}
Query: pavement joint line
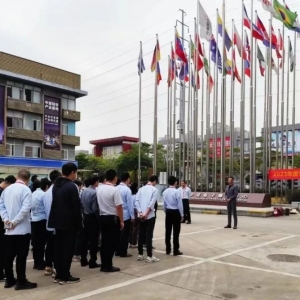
{"type": "Point", "coordinates": [168, 271]}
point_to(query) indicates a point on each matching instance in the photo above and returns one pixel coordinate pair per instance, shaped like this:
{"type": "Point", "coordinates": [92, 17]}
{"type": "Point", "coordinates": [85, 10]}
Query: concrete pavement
{"type": "Point", "coordinates": [217, 263]}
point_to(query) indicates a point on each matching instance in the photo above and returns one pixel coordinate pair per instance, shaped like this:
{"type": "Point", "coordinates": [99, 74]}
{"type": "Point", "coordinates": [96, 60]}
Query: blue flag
{"type": "Point", "coordinates": [214, 50]}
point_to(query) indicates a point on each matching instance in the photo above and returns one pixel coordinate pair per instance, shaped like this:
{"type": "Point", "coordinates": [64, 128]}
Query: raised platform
{"type": "Point", "coordinates": [262, 212]}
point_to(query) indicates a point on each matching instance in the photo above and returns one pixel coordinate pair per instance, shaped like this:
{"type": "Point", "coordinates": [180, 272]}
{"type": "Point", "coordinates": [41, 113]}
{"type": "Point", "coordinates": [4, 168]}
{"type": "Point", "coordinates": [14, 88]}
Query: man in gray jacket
{"type": "Point", "coordinates": [231, 193]}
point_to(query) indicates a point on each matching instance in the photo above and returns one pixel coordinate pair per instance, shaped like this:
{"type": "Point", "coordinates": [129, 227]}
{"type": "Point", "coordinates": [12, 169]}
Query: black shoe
{"type": "Point", "coordinates": [34, 267]}
{"type": "Point", "coordinates": [2, 278]}
{"type": "Point", "coordinates": [235, 227]}
{"type": "Point", "coordinates": [70, 280]}
{"type": "Point", "coordinates": [94, 266]}
{"type": "Point", "coordinates": [189, 222]}
{"type": "Point", "coordinates": [110, 270]}
{"type": "Point", "coordinates": [84, 263]}
{"type": "Point", "coordinates": [41, 268]}
{"type": "Point", "coordinates": [177, 253]}
{"type": "Point", "coordinates": [27, 285]}
{"type": "Point", "coordinates": [228, 226]}
{"type": "Point", "coordinates": [126, 255]}
{"type": "Point", "coordinates": [168, 252]}
{"type": "Point", "coordinates": [10, 283]}
{"type": "Point", "coordinates": [117, 254]}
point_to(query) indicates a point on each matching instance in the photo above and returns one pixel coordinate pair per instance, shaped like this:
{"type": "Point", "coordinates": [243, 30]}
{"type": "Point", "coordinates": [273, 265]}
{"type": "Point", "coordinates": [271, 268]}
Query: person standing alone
{"type": "Point", "coordinates": [65, 217]}
{"type": "Point", "coordinates": [186, 193]}
{"type": "Point", "coordinates": [173, 209]}
{"type": "Point", "coordinates": [231, 193]}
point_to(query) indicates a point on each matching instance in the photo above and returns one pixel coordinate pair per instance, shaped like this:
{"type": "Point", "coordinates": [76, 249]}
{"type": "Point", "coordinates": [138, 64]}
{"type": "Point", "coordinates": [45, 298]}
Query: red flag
{"type": "Point", "coordinates": [199, 47]}
{"type": "Point", "coordinates": [179, 49]}
{"type": "Point", "coordinates": [236, 73]}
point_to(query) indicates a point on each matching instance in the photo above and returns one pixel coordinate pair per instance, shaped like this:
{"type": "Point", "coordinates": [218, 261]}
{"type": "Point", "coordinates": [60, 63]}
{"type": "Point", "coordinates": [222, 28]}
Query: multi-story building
{"type": "Point", "coordinates": [37, 115]}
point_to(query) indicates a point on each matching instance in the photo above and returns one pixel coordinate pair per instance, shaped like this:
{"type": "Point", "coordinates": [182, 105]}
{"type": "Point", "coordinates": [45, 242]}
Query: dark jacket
{"type": "Point", "coordinates": [231, 192]}
{"type": "Point", "coordinates": [1, 222]}
{"type": "Point", "coordinates": [65, 211]}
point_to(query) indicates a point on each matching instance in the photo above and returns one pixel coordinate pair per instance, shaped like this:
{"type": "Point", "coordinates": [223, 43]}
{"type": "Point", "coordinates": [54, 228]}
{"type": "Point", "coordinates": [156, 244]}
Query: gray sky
{"type": "Point", "coordinates": [100, 41]}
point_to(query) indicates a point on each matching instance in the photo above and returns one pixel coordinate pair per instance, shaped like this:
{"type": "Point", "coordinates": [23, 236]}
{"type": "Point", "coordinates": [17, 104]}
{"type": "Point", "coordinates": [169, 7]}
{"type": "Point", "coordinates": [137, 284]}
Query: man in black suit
{"type": "Point", "coordinates": [231, 193]}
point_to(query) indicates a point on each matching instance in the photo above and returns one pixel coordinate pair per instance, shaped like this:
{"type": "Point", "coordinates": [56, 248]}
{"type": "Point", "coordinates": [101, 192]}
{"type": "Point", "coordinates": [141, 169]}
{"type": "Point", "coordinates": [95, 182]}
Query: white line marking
{"type": "Point", "coordinates": [153, 275]}
{"type": "Point", "coordinates": [255, 269]}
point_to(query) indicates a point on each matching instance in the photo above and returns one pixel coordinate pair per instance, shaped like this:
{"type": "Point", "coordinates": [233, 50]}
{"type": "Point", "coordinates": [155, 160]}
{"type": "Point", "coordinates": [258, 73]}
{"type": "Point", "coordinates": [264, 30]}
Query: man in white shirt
{"type": "Point", "coordinates": [15, 205]}
{"type": "Point", "coordinates": [186, 193]}
{"type": "Point", "coordinates": [111, 219]}
{"type": "Point", "coordinates": [144, 203]}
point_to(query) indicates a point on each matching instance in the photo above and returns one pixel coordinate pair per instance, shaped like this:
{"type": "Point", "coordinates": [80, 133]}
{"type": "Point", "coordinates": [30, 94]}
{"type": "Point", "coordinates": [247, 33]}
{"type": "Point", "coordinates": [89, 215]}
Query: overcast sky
{"type": "Point", "coordinates": [100, 41]}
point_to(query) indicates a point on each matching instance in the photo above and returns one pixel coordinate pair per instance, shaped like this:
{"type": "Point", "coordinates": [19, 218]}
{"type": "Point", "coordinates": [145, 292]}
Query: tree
{"type": "Point", "coordinates": [82, 160]}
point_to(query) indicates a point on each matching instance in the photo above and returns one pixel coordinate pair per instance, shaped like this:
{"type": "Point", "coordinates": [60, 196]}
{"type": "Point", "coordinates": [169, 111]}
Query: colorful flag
{"type": "Point", "coordinates": [256, 33]}
{"type": "Point", "coordinates": [184, 72]}
{"type": "Point", "coordinates": [179, 49]}
{"type": "Point", "coordinates": [261, 61]}
{"type": "Point", "coordinates": [297, 24]}
{"type": "Point", "coordinates": [156, 57]}
{"type": "Point", "coordinates": [267, 6]}
{"type": "Point", "coordinates": [273, 65]}
{"type": "Point", "coordinates": [228, 42]}
{"type": "Point", "coordinates": [235, 72]}
{"type": "Point", "coordinates": [140, 65]}
{"type": "Point", "coordinates": [199, 47]}
{"type": "Point", "coordinates": [194, 54]}
{"type": "Point", "coordinates": [279, 46]}
{"type": "Point", "coordinates": [159, 78]}
{"type": "Point", "coordinates": [287, 17]}
{"type": "Point", "coordinates": [214, 52]}
{"type": "Point", "coordinates": [204, 22]}
{"type": "Point", "coordinates": [266, 40]}
{"type": "Point", "coordinates": [207, 71]}
{"type": "Point", "coordinates": [291, 57]}
{"type": "Point", "coordinates": [238, 42]}
{"type": "Point", "coordinates": [247, 61]}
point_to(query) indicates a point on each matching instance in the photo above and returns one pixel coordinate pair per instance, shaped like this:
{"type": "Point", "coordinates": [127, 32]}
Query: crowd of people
{"type": "Point", "coordinates": [65, 221]}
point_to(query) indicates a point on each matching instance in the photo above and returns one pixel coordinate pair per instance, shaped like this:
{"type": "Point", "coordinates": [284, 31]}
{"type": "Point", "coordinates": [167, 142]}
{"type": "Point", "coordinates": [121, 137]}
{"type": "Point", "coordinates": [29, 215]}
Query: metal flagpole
{"type": "Point", "coordinates": [189, 116]}
{"type": "Point", "coordinates": [174, 110]}
{"type": "Point", "coordinates": [252, 175]}
{"type": "Point", "coordinates": [242, 112]}
{"type": "Point", "coordinates": [265, 152]}
{"type": "Point", "coordinates": [202, 129]}
{"type": "Point", "coordinates": [223, 104]}
{"type": "Point", "coordinates": [287, 106]}
{"type": "Point", "coordinates": [294, 105]}
{"type": "Point", "coordinates": [168, 117]}
{"type": "Point", "coordinates": [232, 105]}
{"type": "Point", "coordinates": [140, 112]}
{"type": "Point", "coordinates": [155, 116]}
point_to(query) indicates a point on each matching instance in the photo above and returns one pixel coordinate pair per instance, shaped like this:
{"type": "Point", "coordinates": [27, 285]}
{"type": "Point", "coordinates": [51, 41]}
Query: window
{"type": "Point", "coordinates": [14, 119]}
{"type": "Point", "coordinates": [28, 95]}
{"type": "Point", "coordinates": [65, 129]}
{"type": "Point", "coordinates": [15, 92]}
{"type": "Point", "coordinates": [32, 122]}
{"type": "Point", "coordinates": [32, 151]}
{"type": "Point", "coordinates": [14, 149]}
{"type": "Point", "coordinates": [69, 154]}
{"type": "Point", "coordinates": [68, 102]}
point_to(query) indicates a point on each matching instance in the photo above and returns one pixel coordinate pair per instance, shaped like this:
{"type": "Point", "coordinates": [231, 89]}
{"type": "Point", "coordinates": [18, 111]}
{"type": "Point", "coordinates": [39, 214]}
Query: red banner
{"type": "Point", "coordinates": [212, 146]}
{"type": "Point", "coordinates": [284, 174]}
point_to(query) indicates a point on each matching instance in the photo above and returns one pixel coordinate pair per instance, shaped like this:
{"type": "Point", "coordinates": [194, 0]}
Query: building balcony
{"type": "Point", "coordinates": [71, 115]}
{"type": "Point", "coordinates": [19, 133]}
{"type": "Point", "coordinates": [52, 154]}
{"type": "Point", "coordinates": [2, 150]}
{"type": "Point", "coordinates": [71, 140]}
{"type": "Point", "coordinates": [23, 105]}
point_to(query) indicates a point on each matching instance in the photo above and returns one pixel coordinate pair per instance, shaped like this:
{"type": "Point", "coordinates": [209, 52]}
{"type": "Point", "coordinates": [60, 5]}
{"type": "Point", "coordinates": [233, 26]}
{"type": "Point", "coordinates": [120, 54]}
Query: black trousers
{"type": "Point", "coordinates": [110, 237]}
{"type": "Point", "coordinates": [2, 250]}
{"type": "Point", "coordinates": [78, 243]}
{"type": "Point", "coordinates": [49, 252]}
{"type": "Point", "coordinates": [146, 232]}
{"type": "Point", "coordinates": [38, 237]}
{"type": "Point", "coordinates": [16, 246]}
{"type": "Point", "coordinates": [134, 230]}
{"type": "Point", "coordinates": [123, 245]}
{"type": "Point", "coordinates": [90, 238]}
{"type": "Point", "coordinates": [64, 244]}
{"type": "Point", "coordinates": [173, 221]}
{"type": "Point", "coordinates": [186, 210]}
{"type": "Point", "coordinates": [231, 210]}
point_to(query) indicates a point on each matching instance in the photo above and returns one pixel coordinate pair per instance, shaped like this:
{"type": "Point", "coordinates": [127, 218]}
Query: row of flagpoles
{"type": "Point", "coordinates": [190, 67]}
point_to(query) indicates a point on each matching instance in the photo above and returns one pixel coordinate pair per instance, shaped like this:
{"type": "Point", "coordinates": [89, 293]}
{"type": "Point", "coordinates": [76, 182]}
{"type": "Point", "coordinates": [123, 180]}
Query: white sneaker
{"type": "Point", "coordinates": [140, 258]}
{"type": "Point", "coordinates": [152, 259]}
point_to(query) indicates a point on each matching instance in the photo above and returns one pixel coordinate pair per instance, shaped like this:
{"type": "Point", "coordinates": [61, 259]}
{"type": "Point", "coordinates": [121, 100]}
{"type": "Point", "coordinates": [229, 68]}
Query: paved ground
{"type": "Point", "coordinates": [218, 263]}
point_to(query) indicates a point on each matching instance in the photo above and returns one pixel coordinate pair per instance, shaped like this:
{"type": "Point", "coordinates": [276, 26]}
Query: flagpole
{"type": "Point", "coordinates": [294, 104]}
{"type": "Point", "coordinates": [168, 117]}
{"type": "Point", "coordinates": [202, 129]}
{"type": "Point", "coordinates": [189, 116]}
{"type": "Point", "coordinates": [265, 152]}
{"type": "Point", "coordinates": [287, 106]}
{"type": "Point", "coordinates": [174, 109]}
{"type": "Point", "coordinates": [242, 111]}
{"type": "Point", "coordinates": [216, 108]}
{"type": "Point", "coordinates": [232, 104]}
{"type": "Point", "coordinates": [155, 115]}
{"type": "Point", "coordinates": [140, 113]}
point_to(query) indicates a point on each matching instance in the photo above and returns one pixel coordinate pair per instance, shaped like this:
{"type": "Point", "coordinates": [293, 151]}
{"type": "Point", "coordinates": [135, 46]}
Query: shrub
{"type": "Point", "coordinates": [293, 196]}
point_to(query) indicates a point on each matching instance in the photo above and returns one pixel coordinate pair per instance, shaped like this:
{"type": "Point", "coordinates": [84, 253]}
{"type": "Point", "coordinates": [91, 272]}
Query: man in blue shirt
{"type": "Point", "coordinates": [173, 209]}
{"type": "Point", "coordinates": [91, 228]}
{"type": "Point", "coordinates": [6, 182]}
{"type": "Point", "coordinates": [15, 205]}
{"type": "Point", "coordinates": [144, 203]}
{"type": "Point", "coordinates": [231, 193]}
{"type": "Point", "coordinates": [128, 214]}
{"type": "Point", "coordinates": [38, 224]}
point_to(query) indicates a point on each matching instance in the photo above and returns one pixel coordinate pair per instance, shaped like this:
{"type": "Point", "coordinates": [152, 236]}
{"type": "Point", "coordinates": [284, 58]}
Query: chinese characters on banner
{"type": "Point", "coordinates": [2, 121]}
{"type": "Point", "coordinates": [284, 174]}
{"type": "Point", "coordinates": [51, 123]}
{"type": "Point", "coordinates": [212, 147]}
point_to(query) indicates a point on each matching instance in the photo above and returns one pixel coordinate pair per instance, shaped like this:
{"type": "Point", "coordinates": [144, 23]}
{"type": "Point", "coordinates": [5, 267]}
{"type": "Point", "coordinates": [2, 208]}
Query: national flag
{"type": "Point", "coordinates": [228, 42]}
{"type": "Point", "coordinates": [291, 57]}
{"type": "Point", "coordinates": [156, 57]}
{"type": "Point", "coordinates": [207, 71]}
{"type": "Point", "coordinates": [279, 46]}
{"type": "Point", "coordinates": [287, 17]}
{"type": "Point", "coordinates": [199, 60]}
{"type": "Point", "coordinates": [238, 42]}
{"type": "Point", "coordinates": [236, 72]}
{"type": "Point", "coordinates": [184, 72]}
{"type": "Point", "coordinates": [256, 33]}
{"type": "Point", "coordinates": [266, 40]}
{"type": "Point", "coordinates": [297, 24]}
{"type": "Point", "coordinates": [204, 22]}
{"type": "Point", "coordinates": [179, 49]}
{"type": "Point", "coordinates": [198, 81]}
{"type": "Point", "coordinates": [215, 52]}
{"type": "Point", "coordinates": [159, 78]}
{"type": "Point", "coordinates": [267, 6]}
{"type": "Point", "coordinates": [273, 65]}
{"type": "Point", "coordinates": [140, 65]}
{"type": "Point", "coordinates": [247, 61]}
{"type": "Point", "coordinates": [173, 64]}
{"type": "Point", "coordinates": [193, 80]}
{"type": "Point", "coordinates": [261, 61]}
{"type": "Point", "coordinates": [198, 43]}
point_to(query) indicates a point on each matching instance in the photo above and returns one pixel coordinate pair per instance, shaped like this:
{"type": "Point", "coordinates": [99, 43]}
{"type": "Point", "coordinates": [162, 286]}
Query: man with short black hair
{"type": "Point", "coordinates": [65, 217]}
{"type": "Point", "coordinates": [145, 203]}
{"type": "Point", "coordinates": [128, 214]}
{"type": "Point", "coordinates": [111, 219]}
{"type": "Point", "coordinates": [15, 205]}
{"type": "Point", "coordinates": [3, 185]}
{"type": "Point", "coordinates": [231, 193]}
{"type": "Point", "coordinates": [90, 233]}
{"type": "Point", "coordinates": [33, 179]}
{"type": "Point", "coordinates": [186, 193]}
